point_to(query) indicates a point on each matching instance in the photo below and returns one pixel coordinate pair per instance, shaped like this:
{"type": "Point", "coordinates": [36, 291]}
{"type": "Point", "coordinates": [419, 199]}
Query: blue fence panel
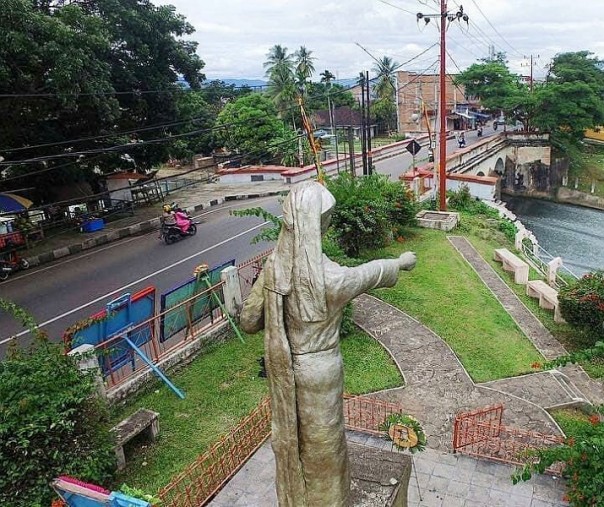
{"type": "Point", "coordinates": [174, 321]}
{"type": "Point", "coordinates": [121, 314]}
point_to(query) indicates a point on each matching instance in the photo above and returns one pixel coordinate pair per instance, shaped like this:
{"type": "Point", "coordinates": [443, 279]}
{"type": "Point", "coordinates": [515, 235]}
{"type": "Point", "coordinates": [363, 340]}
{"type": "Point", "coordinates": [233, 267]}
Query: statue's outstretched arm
{"type": "Point", "coordinates": [372, 275]}
{"type": "Point", "coordinates": [252, 314]}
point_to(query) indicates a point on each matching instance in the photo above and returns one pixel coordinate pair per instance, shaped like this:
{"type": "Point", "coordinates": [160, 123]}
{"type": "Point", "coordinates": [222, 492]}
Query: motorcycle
{"type": "Point", "coordinates": [172, 231]}
{"type": "Point", "coordinates": [12, 264]}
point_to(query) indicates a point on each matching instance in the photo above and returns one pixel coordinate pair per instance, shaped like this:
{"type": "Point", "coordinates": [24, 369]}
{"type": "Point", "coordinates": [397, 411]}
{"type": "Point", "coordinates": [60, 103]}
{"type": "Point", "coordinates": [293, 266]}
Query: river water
{"type": "Point", "coordinates": [572, 232]}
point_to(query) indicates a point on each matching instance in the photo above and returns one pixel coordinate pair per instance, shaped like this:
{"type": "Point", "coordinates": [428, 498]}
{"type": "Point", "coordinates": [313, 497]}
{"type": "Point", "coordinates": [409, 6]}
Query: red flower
{"type": "Point", "coordinates": [536, 365]}
{"type": "Point", "coordinates": [594, 419]}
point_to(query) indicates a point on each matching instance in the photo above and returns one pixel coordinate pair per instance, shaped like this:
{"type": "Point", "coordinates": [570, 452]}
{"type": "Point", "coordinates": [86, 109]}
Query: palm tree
{"type": "Point", "coordinates": [281, 79]}
{"type": "Point", "coordinates": [282, 90]}
{"type": "Point", "coordinates": [385, 89]}
{"type": "Point", "coordinates": [304, 65]}
{"type": "Point", "coordinates": [278, 57]}
{"type": "Point", "coordinates": [327, 77]}
{"type": "Point", "coordinates": [386, 70]}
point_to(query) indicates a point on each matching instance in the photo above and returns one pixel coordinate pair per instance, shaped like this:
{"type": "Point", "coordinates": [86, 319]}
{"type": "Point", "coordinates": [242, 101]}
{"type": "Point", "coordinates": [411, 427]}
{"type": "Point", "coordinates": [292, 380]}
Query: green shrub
{"type": "Point", "coordinates": [369, 211]}
{"type": "Point", "coordinates": [582, 306]}
{"type": "Point", "coordinates": [51, 424]}
{"type": "Point", "coordinates": [583, 454]}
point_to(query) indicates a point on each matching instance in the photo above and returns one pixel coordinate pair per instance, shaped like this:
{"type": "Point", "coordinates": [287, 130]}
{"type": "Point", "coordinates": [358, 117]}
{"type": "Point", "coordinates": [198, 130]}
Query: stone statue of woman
{"type": "Point", "coordinates": [299, 300]}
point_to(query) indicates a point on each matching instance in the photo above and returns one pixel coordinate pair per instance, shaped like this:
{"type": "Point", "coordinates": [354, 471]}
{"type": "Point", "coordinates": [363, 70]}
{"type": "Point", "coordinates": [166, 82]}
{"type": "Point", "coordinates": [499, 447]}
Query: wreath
{"type": "Point", "coordinates": [405, 432]}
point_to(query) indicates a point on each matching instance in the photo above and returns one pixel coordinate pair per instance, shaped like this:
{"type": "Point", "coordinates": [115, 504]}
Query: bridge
{"type": "Point", "coordinates": [516, 163]}
{"type": "Point", "coordinates": [509, 162]}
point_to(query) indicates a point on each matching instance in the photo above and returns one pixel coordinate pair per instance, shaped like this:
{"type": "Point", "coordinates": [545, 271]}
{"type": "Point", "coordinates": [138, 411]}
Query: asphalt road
{"type": "Point", "coordinates": [61, 293]}
{"type": "Point", "coordinates": [64, 292]}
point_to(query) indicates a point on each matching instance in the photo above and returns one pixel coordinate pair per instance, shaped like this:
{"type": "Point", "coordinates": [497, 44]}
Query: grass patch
{"type": "Point", "coordinates": [571, 420]}
{"type": "Point", "coordinates": [588, 168]}
{"type": "Point", "coordinates": [445, 294]}
{"type": "Point", "coordinates": [222, 386]}
{"type": "Point", "coordinates": [367, 365]}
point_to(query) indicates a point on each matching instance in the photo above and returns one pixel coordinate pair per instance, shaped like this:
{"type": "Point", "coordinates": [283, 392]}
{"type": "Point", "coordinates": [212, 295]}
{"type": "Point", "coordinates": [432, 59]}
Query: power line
{"type": "Point", "coordinates": [104, 136]}
{"type": "Point", "coordinates": [495, 29]}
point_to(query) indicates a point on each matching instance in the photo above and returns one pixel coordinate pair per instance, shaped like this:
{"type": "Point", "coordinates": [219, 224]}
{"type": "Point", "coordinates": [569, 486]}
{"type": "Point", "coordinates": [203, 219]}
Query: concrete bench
{"type": "Point", "coordinates": [142, 421]}
{"type": "Point", "coordinates": [548, 297]}
{"type": "Point", "coordinates": [513, 264]}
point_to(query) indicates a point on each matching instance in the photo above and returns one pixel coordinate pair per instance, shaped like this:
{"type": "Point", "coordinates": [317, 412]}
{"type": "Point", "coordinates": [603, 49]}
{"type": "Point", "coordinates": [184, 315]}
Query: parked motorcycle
{"type": "Point", "coordinates": [8, 266]}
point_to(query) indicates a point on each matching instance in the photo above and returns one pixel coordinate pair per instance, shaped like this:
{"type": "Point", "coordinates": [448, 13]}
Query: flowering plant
{"type": "Point", "coordinates": [405, 432]}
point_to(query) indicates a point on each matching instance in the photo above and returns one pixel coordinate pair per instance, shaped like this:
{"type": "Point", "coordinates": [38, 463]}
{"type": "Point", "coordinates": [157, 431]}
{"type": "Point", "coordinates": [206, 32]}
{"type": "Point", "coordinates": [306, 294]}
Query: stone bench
{"type": "Point", "coordinates": [142, 421]}
{"type": "Point", "coordinates": [513, 264]}
{"type": "Point", "coordinates": [548, 297]}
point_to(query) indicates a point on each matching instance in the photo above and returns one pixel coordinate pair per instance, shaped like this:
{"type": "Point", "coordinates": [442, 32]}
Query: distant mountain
{"type": "Point", "coordinates": [346, 83]}
{"type": "Point", "coordinates": [241, 82]}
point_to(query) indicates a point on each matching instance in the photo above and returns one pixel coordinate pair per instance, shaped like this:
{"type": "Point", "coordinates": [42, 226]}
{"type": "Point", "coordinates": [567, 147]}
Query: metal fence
{"type": "Point", "coordinates": [249, 271]}
{"type": "Point", "coordinates": [199, 482]}
{"type": "Point", "coordinates": [480, 433]}
{"type": "Point", "coordinates": [171, 329]}
{"type": "Point", "coordinates": [366, 414]}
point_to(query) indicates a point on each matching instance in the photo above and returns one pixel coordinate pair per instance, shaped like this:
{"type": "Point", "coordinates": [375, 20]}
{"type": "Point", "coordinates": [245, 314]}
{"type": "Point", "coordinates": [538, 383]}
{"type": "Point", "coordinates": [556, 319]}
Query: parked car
{"type": "Point", "coordinates": [320, 133]}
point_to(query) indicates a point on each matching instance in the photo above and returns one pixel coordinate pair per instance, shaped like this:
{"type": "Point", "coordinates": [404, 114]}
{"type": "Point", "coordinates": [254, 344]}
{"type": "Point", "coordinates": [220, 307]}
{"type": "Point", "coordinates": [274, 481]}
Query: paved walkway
{"type": "Point", "coordinates": [436, 388]}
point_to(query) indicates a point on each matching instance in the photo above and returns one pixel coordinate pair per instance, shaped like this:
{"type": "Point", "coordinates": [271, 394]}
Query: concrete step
{"type": "Point", "coordinates": [570, 389]}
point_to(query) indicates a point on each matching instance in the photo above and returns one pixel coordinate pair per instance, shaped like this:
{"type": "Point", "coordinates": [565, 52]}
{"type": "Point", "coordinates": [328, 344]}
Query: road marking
{"type": "Point", "coordinates": [122, 289]}
{"type": "Point", "coordinates": [73, 258]}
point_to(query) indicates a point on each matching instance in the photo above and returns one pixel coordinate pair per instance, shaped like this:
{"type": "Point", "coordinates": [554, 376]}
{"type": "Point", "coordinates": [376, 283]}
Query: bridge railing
{"type": "Point", "coordinates": [540, 258]}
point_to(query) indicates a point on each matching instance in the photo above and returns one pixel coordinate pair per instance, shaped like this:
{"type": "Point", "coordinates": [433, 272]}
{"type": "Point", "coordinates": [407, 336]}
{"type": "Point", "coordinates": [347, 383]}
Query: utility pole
{"type": "Point", "coordinates": [368, 125]}
{"type": "Point", "coordinates": [445, 17]}
{"type": "Point", "coordinates": [363, 131]}
{"type": "Point", "coordinates": [530, 58]}
{"type": "Point", "coordinates": [351, 151]}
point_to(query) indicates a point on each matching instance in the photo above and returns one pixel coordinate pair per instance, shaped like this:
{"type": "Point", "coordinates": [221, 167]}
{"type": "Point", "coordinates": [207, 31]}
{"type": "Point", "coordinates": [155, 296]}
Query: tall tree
{"type": "Point", "coordinates": [281, 80]}
{"type": "Point", "coordinates": [304, 65]}
{"type": "Point", "coordinates": [251, 128]}
{"type": "Point", "coordinates": [385, 107]}
{"type": "Point", "coordinates": [103, 67]}
{"type": "Point", "coordinates": [490, 81]}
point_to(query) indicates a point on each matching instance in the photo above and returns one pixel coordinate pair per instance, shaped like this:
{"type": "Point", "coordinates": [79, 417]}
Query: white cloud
{"type": "Point", "coordinates": [235, 35]}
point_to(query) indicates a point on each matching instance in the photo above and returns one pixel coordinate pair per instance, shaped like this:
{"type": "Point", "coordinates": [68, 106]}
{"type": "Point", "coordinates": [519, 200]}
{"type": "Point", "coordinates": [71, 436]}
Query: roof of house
{"type": "Point", "coordinates": [343, 116]}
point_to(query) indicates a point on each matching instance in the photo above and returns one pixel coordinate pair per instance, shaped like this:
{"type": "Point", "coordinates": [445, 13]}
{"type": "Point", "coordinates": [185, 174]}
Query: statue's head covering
{"type": "Point", "coordinates": [297, 266]}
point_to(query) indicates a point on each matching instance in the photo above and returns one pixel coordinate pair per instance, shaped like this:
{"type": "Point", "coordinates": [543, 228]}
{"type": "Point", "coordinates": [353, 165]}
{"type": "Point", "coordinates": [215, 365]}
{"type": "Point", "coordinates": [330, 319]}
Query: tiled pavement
{"type": "Point", "coordinates": [438, 479]}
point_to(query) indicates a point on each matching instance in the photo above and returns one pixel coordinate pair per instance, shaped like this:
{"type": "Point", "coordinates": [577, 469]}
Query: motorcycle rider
{"type": "Point", "coordinates": [183, 221]}
{"type": "Point", "coordinates": [461, 140]}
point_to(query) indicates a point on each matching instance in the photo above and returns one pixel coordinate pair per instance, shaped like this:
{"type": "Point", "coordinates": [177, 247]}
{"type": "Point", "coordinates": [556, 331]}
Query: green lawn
{"type": "Point", "coordinates": [445, 294]}
{"type": "Point", "coordinates": [222, 386]}
{"type": "Point", "coordinates": [588, 168]}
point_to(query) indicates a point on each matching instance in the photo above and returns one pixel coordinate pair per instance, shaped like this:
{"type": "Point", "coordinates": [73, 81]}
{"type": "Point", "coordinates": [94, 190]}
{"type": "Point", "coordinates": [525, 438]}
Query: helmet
{"type": "Point", "coordinates": [167, 208]}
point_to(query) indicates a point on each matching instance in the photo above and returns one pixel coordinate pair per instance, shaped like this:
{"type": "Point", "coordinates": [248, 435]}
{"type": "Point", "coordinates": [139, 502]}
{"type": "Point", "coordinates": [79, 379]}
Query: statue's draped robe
{"type": "Point", "coordinates": [299, 300]}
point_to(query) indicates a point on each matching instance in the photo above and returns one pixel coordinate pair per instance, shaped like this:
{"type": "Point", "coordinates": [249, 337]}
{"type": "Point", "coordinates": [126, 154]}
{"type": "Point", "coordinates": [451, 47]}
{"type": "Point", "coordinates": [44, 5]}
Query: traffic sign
{"type": "Point", "coordinates": [413, 147]}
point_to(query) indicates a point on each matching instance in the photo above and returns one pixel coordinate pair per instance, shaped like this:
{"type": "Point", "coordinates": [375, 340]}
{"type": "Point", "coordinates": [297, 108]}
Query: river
{"type": "Point", "coordinates": [572, 232]}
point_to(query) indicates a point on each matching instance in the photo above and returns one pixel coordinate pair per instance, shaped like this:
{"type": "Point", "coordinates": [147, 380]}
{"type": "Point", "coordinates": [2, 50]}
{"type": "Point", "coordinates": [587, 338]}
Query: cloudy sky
{"type": "Point", "coordinates": [234, 36]}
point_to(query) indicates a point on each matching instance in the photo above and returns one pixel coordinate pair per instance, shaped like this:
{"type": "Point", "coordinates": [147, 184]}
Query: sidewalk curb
{"type": "Point", "coordinates": [132, 230]}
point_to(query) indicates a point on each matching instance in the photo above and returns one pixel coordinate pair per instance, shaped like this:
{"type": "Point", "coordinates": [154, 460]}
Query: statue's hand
{"type": "Point", "coordinates": [407, 261]}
